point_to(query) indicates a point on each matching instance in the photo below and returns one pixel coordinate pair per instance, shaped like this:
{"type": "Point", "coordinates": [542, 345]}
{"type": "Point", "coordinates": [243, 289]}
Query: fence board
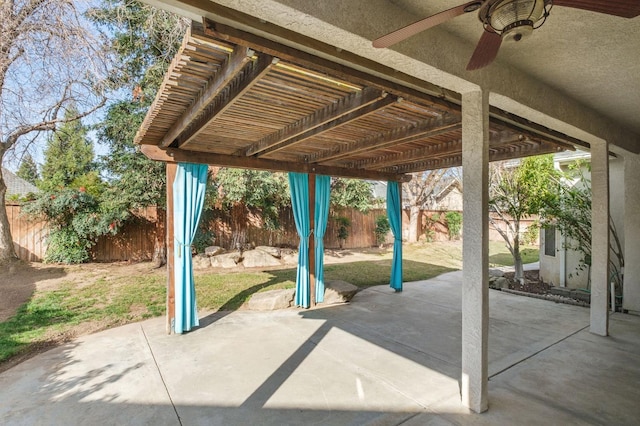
{"type": "Point", "coordinates": [29, 236]}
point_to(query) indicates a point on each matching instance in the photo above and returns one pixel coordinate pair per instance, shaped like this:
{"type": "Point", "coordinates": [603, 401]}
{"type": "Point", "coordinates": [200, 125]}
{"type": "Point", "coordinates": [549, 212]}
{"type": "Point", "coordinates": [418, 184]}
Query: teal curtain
{"type": "Point", "coordinates": [188, 198]}
{"type": "Point", "coordinates": [394, 210]}
{"type": "Point", "coordinates": [299, 186]}
{"type": "Point", "coordinates": [321, 216]}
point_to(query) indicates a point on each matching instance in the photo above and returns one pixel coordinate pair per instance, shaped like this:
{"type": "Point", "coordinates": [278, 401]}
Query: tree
{"type": "Point", "coordinates": [145, 40]}
{"type": "Point", "coordinates": [28, 169]}
{"type": "Point", "coordinates": [49, 60]}
{"type": "Point", "coordinates": [570, 213]}
{"type": "Point", "coordinates": [69, 158]}
{"type": "Point", "coordinates": [252, 191]}
{"type": "Point", "coordinates": [353, 193]}
{"type": "Point", "coordinates": [516, 193]}
{"type": "Point", "coordinates": [419, 190]}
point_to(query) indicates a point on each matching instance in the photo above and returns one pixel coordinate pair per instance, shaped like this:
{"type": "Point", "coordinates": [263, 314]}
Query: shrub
{"type": "Point", "coordinates": [343, 228]}
{"type": "Point", "coordinates": [382, 229]}
{"type": "Point", "coordinates": [530, 236]}
{"type": "Point", "coordinates": [454, 224]}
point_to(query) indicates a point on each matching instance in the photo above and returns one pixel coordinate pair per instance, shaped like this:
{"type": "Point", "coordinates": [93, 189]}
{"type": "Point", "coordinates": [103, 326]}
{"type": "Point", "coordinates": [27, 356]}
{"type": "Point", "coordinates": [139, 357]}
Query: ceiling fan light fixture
{"type": "Point", "coordinates": [514, 19]}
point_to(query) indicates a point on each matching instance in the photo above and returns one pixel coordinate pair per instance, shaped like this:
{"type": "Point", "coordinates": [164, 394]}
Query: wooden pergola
{"type": "Point", "coordinates": [234, 99]}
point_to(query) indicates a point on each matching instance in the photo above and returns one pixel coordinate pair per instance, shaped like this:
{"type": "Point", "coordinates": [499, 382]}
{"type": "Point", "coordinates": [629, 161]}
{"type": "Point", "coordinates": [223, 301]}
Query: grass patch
{"type": "Point", "coordinates": [499, 255]}
{"type": "Point", "coordinates": [57, 315]}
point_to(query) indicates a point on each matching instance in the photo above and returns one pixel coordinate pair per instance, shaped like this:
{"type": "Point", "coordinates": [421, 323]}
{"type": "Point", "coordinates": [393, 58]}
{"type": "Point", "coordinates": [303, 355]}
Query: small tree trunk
{"type": "Point", "coordinates": [517, 262]}
{"type": "Point", "coordinates": [239, 226]}
{"type": "Point", "coordinates": [7, 250]}
{"type": "Point", "coordinates": [414, 216]}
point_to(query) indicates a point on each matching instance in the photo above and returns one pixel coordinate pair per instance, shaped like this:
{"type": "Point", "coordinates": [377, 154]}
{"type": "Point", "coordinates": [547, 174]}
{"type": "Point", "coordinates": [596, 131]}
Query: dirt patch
{"type": "Point", "coordinates": [532, 283]}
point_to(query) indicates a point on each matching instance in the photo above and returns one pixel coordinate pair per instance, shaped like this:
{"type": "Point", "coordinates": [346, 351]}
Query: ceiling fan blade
{"type": "Point", "coordinates": [622, 8]}
{"type": "Point", "coordinates": [424, 24]}
{"type": "Point", "coordinates": [486, 50]}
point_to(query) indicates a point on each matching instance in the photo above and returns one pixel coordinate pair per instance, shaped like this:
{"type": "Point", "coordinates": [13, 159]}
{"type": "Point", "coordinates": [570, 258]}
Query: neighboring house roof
{"type": "Point", "coordinates": [571, 156]}
{"type": "Point", "coordinates": [17, 185]}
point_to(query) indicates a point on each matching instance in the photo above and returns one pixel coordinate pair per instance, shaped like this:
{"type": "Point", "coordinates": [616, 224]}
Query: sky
{"type": "Point", "coordinates": [13, 111]}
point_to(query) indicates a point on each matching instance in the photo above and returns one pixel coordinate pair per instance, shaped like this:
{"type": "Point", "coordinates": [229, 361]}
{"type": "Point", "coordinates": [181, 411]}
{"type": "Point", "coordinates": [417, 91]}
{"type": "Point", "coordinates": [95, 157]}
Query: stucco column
{"type": "Point", "coordinates": [631, 289]}
{"type": "Point", "coordinates": [599, 238]}
{"type": "Point", "coordinates": [475, 249]}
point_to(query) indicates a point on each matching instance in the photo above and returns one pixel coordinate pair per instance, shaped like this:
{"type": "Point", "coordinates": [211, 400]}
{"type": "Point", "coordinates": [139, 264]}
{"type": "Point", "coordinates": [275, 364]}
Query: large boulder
{"type": "Point", "coordinates": [201, 261]}
{"type": "Point", "coordinates": [213, 250]}
{"type": "Point", "coordinates": [271, 300]}
{"type": "Point", "coordinates": [258, 259]}
{"type": "Point", "coordinates": [338, 292]}
{"type": "Point", "coordinates": [273, 251]}
{"type": "Point", "coordinates": [290, 258]}
{"type": "Point", "coordinates": [228, 260]}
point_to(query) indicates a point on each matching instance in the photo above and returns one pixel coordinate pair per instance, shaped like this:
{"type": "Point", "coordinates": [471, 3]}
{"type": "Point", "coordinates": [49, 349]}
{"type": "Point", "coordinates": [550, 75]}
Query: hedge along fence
{"type": "Point", "coordinates": [141, 237]}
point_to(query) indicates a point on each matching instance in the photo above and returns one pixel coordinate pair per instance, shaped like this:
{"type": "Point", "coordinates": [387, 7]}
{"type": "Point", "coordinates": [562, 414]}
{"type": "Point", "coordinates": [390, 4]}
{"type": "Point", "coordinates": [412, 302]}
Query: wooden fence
{"type": "Point", "coordinates": [138, 239]}
{"type": "Point", "coordinates": [29, 236]}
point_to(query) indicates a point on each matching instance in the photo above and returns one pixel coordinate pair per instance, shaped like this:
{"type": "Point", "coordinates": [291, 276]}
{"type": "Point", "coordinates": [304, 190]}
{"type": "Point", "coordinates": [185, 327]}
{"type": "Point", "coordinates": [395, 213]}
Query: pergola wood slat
{"type": "Point", "coordinates": [391, 137]}
{"type": "Point", "coordinates": [218, 81]}
{"type": "Point", "coordinates": [369, 108]}
{"type": "Point", "coordinates": [237, 86]}
{"type": "Point", "coordinates": [319, 117]}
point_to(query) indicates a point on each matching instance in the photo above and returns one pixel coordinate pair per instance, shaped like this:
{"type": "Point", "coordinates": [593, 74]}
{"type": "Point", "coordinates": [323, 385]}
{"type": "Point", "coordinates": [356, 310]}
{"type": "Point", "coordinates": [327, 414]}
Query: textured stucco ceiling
{"type": "Point", "coordinates": [591, 57]}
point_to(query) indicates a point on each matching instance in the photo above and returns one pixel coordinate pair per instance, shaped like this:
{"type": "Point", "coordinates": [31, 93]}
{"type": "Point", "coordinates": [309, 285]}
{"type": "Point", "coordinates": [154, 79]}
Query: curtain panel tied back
{"type": "Point", "coordinates": [298, 184]}
{"type": "Point", "coordinates": [394, 211]}
{"type": "Point", "coordinates": [188, 198]}
{"type": "Point", "coordinates": [321, 217]}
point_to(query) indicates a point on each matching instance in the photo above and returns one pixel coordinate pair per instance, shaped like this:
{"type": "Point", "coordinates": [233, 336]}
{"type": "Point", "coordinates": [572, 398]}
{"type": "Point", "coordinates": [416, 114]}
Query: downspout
{"type": "Point", "coordinates": [563, 261]}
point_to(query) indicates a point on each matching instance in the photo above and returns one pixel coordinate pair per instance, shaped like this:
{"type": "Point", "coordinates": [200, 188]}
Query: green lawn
{"type": "Point", "coordinates": [75, 307]}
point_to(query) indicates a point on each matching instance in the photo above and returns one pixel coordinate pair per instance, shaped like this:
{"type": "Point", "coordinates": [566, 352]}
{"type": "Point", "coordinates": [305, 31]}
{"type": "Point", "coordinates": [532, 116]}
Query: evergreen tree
{"type": "Point", "coordinates": [145, 39]}
{"type": "Point", "coordinates": [28, 169]}
{"type": "Point", "coordinates": [68, 158]}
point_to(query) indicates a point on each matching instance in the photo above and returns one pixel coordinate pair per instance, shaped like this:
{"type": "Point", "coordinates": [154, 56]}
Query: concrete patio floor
{"type": "Point", "coordinates": [385, 359]}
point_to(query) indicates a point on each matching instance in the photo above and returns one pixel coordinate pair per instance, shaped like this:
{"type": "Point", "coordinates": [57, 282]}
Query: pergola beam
{"type": "Point", "coordinates": [218, 81]}
{"type": "Point", "coordinates": [237, 87]}
{"type": "Point", "coordinates": [175, 155]}
{"type": "Point", "coordinates": [331, 112]}
{"type": "Point", "coordinates": [431, 151]}
{"type": "Point", "coordinates": [429, 128]}
{"type": "Point", "coordinates": [381, 102]}
{"type": "Point", "coordinates": [456, 160]}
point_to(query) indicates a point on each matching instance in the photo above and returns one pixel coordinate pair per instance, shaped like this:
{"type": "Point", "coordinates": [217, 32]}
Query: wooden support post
{"type": "Point", "coordinates": [312, 251]}
{"type": "Point", "coordinates": [171, 280]}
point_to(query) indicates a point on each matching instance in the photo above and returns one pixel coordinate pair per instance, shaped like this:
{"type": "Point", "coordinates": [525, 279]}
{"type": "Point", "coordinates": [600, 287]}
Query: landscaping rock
{"type": "Point", "coordinates": [228, 260]}
{"type": "Point", "coordinates": [290, 259]}
{"type": "Point", "coordinates": [338, 292]}
{"type": "Point", "coordinates": [201, 261]}
{"type": "Point", "coordinates": [561, 291]}
{"type": "Point", "coordinates": [273, 251]}
{"type": "Point", "coordinates": [258, 259]}
{"type": "Point", "coordinates": [493, 272]}
{"type": "Point", "coordinates": [582, 296]}
{"type": "Point", "coordinates": [501, 283]}
{"type": "Point", "coordinates": [213, 250]}
{"type": "Point", "coordinates": [271, 300]}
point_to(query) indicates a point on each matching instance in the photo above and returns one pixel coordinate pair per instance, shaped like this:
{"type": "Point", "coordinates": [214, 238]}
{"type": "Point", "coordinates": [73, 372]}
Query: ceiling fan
{"type": "Point", "coordinates": [510, 20]}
